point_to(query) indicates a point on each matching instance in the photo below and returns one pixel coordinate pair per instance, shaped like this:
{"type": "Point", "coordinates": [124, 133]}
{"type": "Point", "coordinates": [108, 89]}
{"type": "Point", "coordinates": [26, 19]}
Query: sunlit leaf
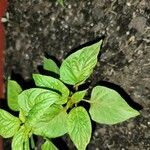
{"type": "Point", "coordinates": [76, 68]}
{"type": "Point", "coordinates": [29, 98]}
{"type": "Point", "coordinates": [53, 84]}
{"type": "Point", "coordinates": [79, 127]}
{"type": "Point", "coordinates": [108, 107]}
{"type": "Point", "coordinates": [9, 124]}
{"type": "Point", "coordinates": [53, 123]}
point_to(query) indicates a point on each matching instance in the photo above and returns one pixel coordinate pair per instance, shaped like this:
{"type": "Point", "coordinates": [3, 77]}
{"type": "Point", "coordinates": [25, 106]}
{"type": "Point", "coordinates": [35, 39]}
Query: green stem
{"type": "Point", "coordinates": [76, 87]}
{"type": "Point", "coordinates": [87, 101]}
{"type": "Point", "coordinates": [32, 143]}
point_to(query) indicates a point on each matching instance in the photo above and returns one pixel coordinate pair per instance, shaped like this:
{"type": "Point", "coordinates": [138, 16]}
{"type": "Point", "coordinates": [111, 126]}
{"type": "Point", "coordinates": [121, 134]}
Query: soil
{"type": "Point", "coordinates": [36, 28]}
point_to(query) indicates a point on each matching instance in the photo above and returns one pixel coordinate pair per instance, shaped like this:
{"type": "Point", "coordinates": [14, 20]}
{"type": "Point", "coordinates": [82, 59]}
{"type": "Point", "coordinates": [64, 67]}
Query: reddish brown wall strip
{"type": "Point", "coordinates": [1, 61]}
{"type": "Point", "coordinates": [3, 6]}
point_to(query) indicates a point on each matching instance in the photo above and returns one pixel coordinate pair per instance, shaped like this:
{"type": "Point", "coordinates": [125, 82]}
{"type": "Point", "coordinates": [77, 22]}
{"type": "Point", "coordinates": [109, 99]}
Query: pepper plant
{"type": "Point", "coordinates": [51, 109]}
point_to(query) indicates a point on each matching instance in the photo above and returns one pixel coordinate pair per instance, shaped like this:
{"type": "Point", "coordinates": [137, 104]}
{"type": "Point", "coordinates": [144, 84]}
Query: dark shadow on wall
{"type": "Point", "coordinates": [25, 84]}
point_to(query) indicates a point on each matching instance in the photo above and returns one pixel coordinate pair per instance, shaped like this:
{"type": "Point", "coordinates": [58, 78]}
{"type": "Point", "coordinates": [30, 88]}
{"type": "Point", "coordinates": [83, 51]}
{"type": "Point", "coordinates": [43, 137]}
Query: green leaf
{"type": "Point", "coordinates": [53, 84]}
{"type": "Point", "coordinates": [50, 65]}
{"type": "Point", "coordinates": [79, 127]}
{"type": "Point", "coordinates": [26, 145]}
{"type": "Point", "coordinates": [9, 124]}
{"type": "Point", "coordinates": [21, 139]}
{"type": "Point", "coordinates": [18, 140]}
{"type": "Point", "coordinates": [53, 123]}
{"type": "Point", "coordinates": [48, 145]}
{"type": "Point", "coordinates": [13, 90]}
{"type": "Point", "coordinates": [37, 112]}
{"type": "Point", "coordinates": [76, 68]}
{"type": "Point", "coordinates": [108, 107]}
{"type": "Point", "coordinates": [31, 97]}
{"type": "Point", "coordinates": [61, 2]}
{"type": "Point", "coordinates": [78, 96]}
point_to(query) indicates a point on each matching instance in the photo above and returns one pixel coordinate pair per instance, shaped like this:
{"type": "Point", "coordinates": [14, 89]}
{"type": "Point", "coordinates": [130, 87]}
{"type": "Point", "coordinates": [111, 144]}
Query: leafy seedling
{"type": "Point", "coordinates": [51, 109]}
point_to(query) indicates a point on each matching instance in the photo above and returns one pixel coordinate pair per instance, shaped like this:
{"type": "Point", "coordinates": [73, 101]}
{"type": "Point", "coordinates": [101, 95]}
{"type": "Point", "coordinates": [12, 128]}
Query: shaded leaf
{"type": "Point", "coordinates": [108, 107]}
{"type": "Point", "coordinates": [79, 127]}
{"type": "Point", "coordinates": [76, 68]}
{"type": "Point", "coordinates": [9, 124]}
{"type": "Point", "coordinates": [53, 84]}
{"type": "Point", "coordinates": [13, 90]}
{"type": "Point", "coordinates": [50, 65]}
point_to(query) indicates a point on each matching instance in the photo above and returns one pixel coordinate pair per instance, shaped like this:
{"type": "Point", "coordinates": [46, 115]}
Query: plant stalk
{"type": "Point", "coordinates": [32, 143]}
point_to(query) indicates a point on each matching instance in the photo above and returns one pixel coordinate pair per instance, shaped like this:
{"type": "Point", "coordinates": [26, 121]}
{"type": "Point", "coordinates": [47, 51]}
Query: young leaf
{"type": "Point", "coordinates": [79, 127]}
{"type": "Point", "coordinates": [76, 68]}
{"type": "Point", "coordinates": [21, 139]}
{"type": "Point", "coordinates": [48, 145]}
{"type": "Point", "coordinates": [53, 123]}
{"type": "Point", "coordinates": [9, 124]}
{"type": "Point", "coordinates": [50, 65]}
{"type": "Point", "coordinates": [13, 90]}
{"type": "Point", "coordinates": [28, 98]}
{"type": "Point", "coordinates": [78, 96]}
{"type": "Point", "coordinates": [53, 84]}
{"type": "Point", "coordinates": [108, 107]}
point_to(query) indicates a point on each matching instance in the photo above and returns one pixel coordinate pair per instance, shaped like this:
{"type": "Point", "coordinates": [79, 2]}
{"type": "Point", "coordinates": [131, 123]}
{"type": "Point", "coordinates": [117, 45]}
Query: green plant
{"type": "Point", "coordinates": [61, 2]}
{"type": "Point", "coordinates": [51, 110]}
